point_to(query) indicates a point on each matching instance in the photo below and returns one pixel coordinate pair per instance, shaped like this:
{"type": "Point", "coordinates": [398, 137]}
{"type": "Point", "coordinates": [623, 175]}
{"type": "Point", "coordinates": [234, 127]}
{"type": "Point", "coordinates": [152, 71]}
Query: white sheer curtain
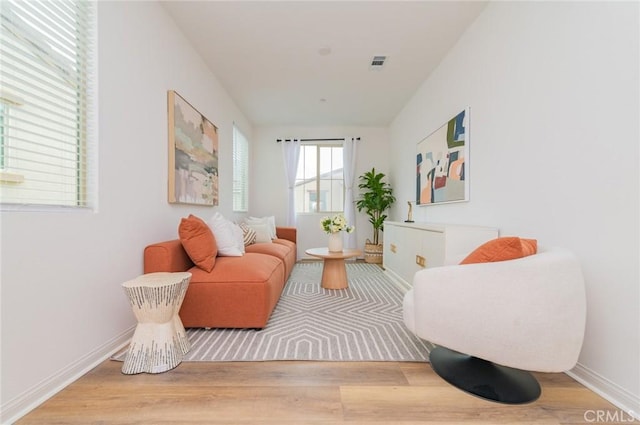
{"type": "Point", "coordinates": [291, 153]}
{"type": "Point", "coordinates": [349, 169]}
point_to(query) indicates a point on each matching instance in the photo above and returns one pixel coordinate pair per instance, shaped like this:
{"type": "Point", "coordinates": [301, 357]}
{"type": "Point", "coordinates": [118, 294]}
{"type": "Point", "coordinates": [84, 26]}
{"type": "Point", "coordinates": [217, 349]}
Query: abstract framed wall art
{"type": "Point", "coordinates": [193, 154]}
{"type": "Point", "coordinates": [442, 163]}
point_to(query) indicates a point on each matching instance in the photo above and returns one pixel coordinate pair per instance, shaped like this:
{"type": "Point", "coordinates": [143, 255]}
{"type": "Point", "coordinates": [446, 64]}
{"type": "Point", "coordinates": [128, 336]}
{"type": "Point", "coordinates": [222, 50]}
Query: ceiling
{"type": "Point", "coordinates": [307, 63]}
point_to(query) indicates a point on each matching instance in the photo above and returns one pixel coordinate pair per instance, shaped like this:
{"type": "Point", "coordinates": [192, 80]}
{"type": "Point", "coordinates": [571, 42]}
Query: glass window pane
{"type": "Point", "coordinates": [325, 196]}
{"type": "Point", "coordinates": [306, 197]}
{"type": "Point", "coordinates": [325, 161]}
{"type": "Point", "coordinates": [336, 157]}
{"type": "Point", "coordinates": [310, 162]}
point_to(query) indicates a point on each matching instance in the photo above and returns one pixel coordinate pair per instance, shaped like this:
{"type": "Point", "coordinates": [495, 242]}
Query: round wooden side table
{"type": "Point", "coordinates": [334, 271]}
{"type": "Point", "coordinates": [159, 342]}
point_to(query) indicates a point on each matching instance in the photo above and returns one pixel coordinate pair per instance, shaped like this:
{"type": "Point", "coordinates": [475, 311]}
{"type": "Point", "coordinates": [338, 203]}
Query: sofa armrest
{"type": "Point", "coordinates": [288, 233]}
{"type": "Point", "coordinates": [167, 256]}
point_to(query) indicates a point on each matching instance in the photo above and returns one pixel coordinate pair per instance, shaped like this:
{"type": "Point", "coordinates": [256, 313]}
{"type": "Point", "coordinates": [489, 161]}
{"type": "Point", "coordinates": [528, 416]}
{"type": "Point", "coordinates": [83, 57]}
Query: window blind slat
{"type": "Point", "coordinates": [64, 12]}
{"type": "Point", "coordinates": [77, 16]}
{"type": "Point", "coordinates": [45, 73]}
{"type": "Point", "coordinates": [63, 107]}
{"type": "Point", "coordinates": [61, 122]}
{"type": "Point", "coordinates": [66, 23]}
{"type": "Point", "coordinates": [58, 127]}
{"type": "Point", "coordinates": [58, 134]}
{"type": "Point", "coordinates": [56, 36]}
{"type": "Point", "coordinates": [27, 86]}
{"type": "Point", "coordinates": [38, 106]}
{"type": "Point", "coordinates": [54, 154]}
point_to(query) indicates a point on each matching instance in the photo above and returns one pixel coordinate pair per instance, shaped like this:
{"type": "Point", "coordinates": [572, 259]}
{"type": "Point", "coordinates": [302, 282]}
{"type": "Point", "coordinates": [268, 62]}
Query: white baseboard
{"type": "Point", "coordinates": [628, 403]}
{"type": "Point", "coordinates": [398, 280]}
{"type": "Point", "coordinates": [21, 405]}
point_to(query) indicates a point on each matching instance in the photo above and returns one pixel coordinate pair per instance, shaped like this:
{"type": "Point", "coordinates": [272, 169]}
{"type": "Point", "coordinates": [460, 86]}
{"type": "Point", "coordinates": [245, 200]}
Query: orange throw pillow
{"type": "Point", "coordinates": [529, 246]}
{"type": "Point", "coordinates": [198, 241]}
{"type": "Point", "coordinates": [502, 249]}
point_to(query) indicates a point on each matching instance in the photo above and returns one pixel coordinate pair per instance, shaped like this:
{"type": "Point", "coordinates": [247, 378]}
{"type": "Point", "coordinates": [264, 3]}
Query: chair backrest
{"type": "Point", "coordinates": [528, 313]}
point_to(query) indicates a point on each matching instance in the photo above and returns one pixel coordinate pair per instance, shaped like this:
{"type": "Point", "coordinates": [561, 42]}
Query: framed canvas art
{"type": "Point", "coordinates": [442, 163]}
{"type": "Point", "coordinates": [193, 155]}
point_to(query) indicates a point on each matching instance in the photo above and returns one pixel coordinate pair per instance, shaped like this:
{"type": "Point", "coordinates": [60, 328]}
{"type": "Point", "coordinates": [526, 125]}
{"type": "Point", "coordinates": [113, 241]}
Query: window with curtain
{"type": "Point", "coordinates": [240, 171]}
{"type": "Point", "coordinates": [319, 180]}
{"type": "Point", "coordinates": [47, 52]}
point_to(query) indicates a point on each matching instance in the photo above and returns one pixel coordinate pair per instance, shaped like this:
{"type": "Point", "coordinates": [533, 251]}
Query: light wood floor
{"type": "Point", "coordinates": [287, 393]}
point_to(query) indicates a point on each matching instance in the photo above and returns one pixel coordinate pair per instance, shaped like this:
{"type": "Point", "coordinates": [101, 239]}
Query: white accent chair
{"type": "Point", "coordinates": [501, 318]}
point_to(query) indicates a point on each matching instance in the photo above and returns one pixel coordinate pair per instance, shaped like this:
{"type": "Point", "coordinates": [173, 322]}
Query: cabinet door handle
{"type": "Point", "coordinates": [421, 261]}
{"type": "Point", "coordinates": [392, 247]}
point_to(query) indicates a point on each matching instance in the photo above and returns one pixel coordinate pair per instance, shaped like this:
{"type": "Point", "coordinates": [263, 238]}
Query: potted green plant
{"type": "Point", "coordinates": [376, 196]}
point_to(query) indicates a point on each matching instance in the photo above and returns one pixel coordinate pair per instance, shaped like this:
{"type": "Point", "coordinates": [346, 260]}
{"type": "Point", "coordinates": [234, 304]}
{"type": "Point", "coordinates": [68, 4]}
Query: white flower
{"type": "Point", "coordinates": [335, 224]}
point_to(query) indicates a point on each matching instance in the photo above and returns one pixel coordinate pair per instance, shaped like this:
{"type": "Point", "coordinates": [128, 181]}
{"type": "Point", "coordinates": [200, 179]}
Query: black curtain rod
{"type": "Point", "coordinates": [315, 140]}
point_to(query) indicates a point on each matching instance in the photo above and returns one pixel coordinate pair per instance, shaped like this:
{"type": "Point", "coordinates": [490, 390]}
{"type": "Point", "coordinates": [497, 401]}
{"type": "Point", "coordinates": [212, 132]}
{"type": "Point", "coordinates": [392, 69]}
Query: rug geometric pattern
{"type": "Point", "coordinates": [361, 323]}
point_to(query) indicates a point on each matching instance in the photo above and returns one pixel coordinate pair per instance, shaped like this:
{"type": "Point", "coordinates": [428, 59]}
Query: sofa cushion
{"type": "Point", "coordinates": [285, 253]}
{"type": "Point", "coordinates": [285, 242]}
{"type": "Point", "coordinates": [251, 267]}
{"type": "Point", "coordinates": [241, 292]}
{"type": "Point", "coordinates": [502, 249]}
{"type": "Point", "coordinates": [198, 242]}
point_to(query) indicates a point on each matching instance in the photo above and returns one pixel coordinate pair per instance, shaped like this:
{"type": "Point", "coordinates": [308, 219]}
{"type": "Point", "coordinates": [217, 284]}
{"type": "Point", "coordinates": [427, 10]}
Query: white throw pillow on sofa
{"type": "Point", "coordinates": [226, 234]}
{"type": "Point", "coordinates": [269, 221]}
{"type": "Point", "coordinates": [263, 234]}
{"type": "Point", "coordinates": [238, 233]}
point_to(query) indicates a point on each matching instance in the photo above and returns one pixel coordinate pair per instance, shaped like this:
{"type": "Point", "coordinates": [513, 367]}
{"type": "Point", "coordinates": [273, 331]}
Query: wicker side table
{"type": "Point", "coordinates": [159, 341]}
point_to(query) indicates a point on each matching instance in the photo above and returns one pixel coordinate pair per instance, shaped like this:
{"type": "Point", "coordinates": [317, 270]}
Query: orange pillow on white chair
{"type": "Point", "coordinates": [502, 249]}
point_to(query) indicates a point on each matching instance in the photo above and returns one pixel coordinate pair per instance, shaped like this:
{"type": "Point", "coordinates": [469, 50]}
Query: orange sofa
{"type": "Point", "coordinates": [240, 292]}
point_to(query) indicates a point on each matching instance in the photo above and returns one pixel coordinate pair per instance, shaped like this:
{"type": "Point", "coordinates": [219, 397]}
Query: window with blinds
{"type": "Point", "coordinates": [46, 103]}
{"type": "Point", "coordinates": [240, 171]}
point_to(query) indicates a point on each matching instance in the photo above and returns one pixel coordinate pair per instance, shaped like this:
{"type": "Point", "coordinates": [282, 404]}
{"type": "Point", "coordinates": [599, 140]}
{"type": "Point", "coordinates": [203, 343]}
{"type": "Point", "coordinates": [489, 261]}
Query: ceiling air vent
{"type": "Point", "coordinates": [377, 62]}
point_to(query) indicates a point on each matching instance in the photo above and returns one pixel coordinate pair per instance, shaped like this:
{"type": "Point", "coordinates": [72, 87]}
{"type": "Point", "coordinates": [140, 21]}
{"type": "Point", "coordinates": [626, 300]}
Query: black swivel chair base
{"type": "Point", "coordinates": [484, 379]}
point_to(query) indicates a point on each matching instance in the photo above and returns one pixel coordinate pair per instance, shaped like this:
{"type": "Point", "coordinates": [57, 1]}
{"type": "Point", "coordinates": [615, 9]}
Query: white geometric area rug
{"type": "Point", "coordinates": [361, 323]}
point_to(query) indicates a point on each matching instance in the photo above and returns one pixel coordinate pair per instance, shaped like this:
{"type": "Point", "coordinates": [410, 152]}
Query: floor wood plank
{"type": "Point", "coordinates": [288, 393]}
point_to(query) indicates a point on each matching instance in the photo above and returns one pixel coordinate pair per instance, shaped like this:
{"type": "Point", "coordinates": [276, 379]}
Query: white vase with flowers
{"type": "Point", "coordinates": [334, 226]}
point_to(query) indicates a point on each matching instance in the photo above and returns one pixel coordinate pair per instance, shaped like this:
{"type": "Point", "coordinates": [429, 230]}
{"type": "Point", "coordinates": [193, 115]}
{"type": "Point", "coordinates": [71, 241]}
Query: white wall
{"type": "Point", "coordinates": [553, 92]}
{"type": "Point", "coordinates": [268, 183]}
{"type": "Point", "coordinates": [63, 308]}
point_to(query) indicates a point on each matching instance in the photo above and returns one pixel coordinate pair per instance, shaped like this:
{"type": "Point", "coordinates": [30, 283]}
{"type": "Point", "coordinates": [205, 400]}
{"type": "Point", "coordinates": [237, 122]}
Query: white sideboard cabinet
{"type": "Point", "coordinates": [409, 247]}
